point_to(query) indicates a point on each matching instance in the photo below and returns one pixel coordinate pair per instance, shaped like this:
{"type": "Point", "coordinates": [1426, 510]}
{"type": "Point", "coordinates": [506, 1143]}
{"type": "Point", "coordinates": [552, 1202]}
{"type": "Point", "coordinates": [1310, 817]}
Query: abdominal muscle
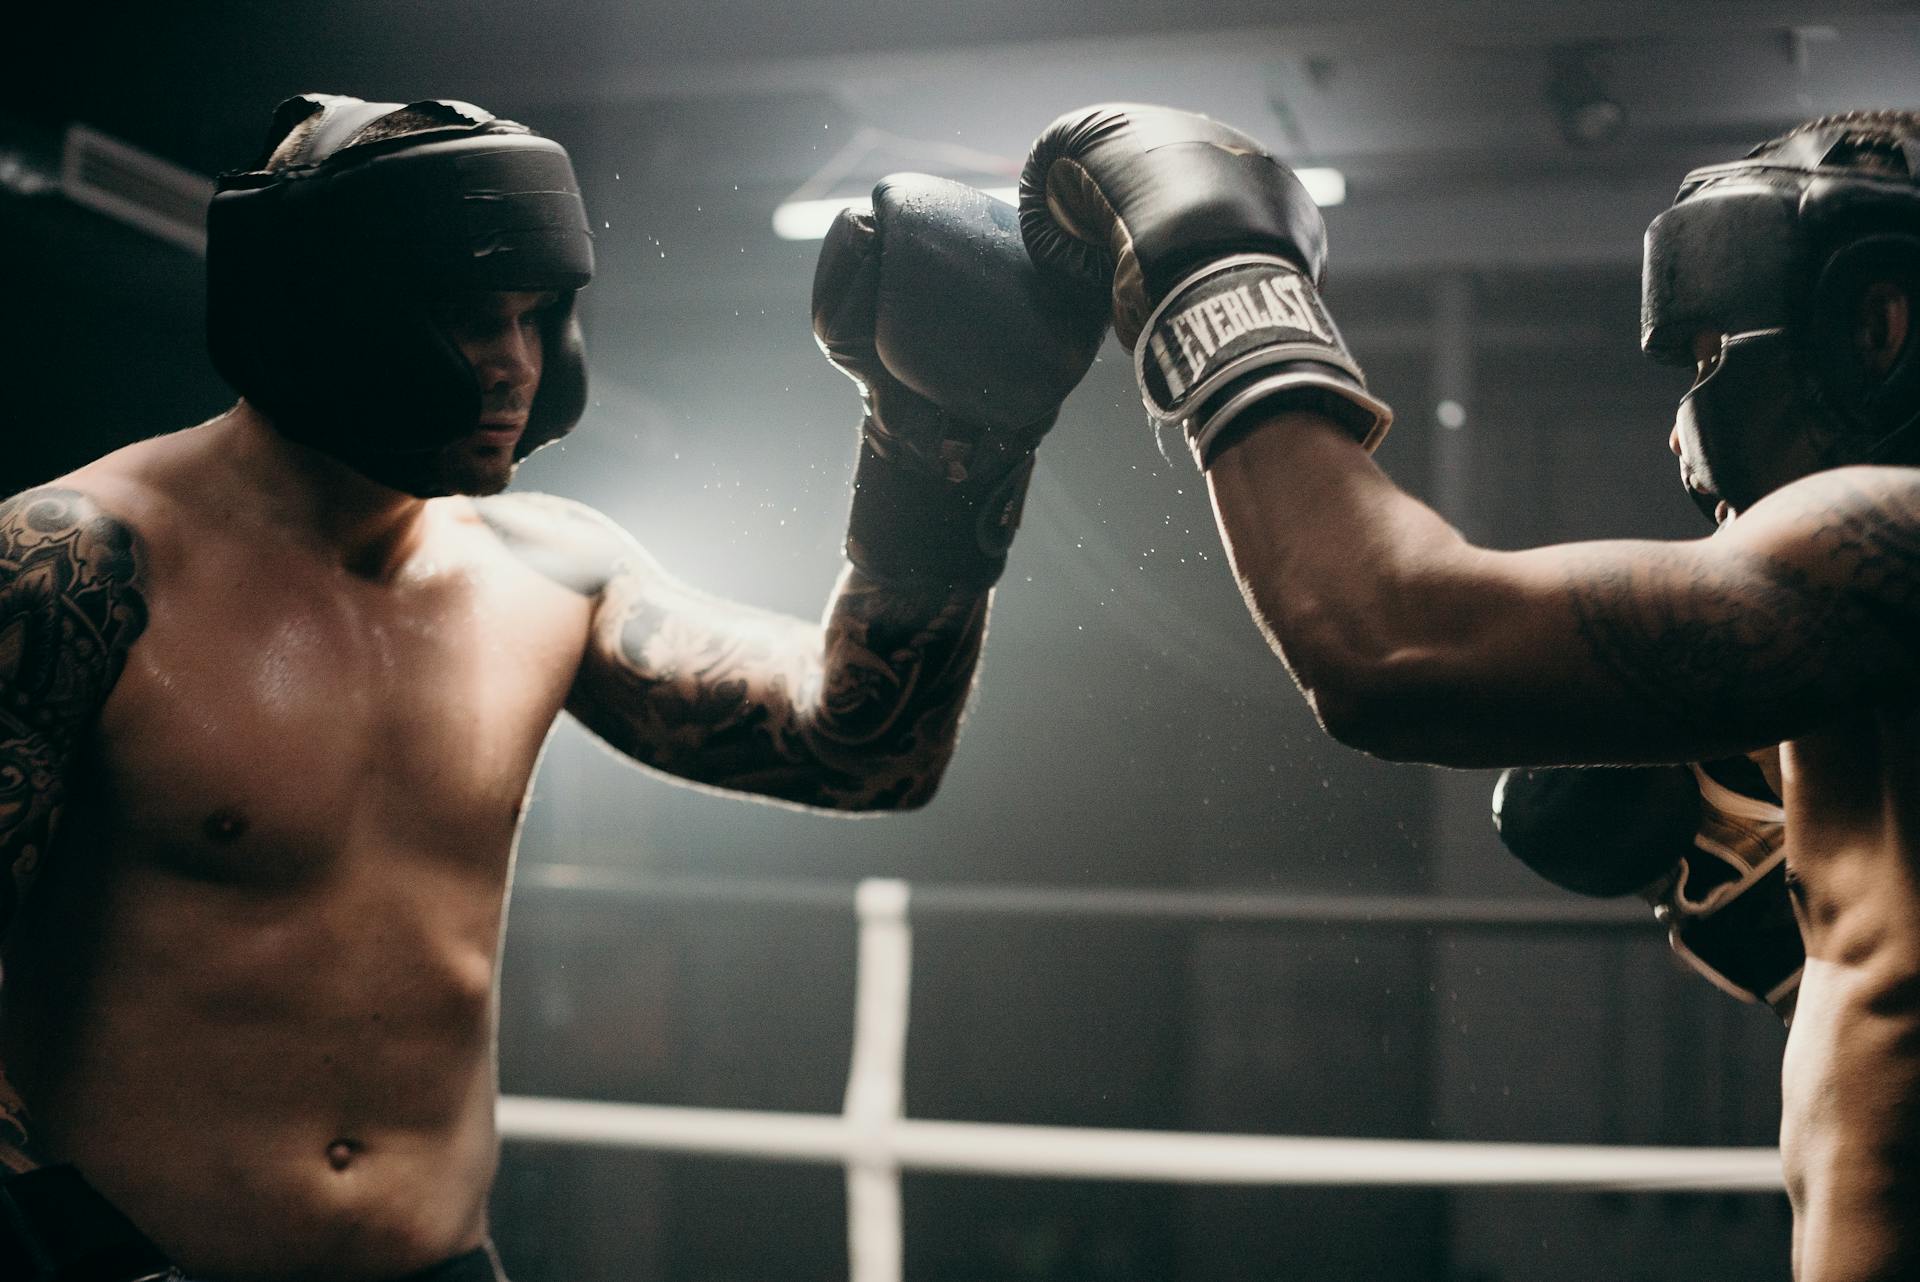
{"type": "Point", "coordinates": [274, 1085]}
{"type": "Point", "coordinates": [1850, 1129]}
{"type": "Point", "coordinates": [1850, 1084]}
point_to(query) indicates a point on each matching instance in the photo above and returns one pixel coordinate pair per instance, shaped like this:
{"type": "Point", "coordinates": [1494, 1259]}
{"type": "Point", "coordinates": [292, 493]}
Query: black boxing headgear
{"type": "Point", "coordinates": [1774, 252]}
{"type": "Point", "coordinates": [324, 261]}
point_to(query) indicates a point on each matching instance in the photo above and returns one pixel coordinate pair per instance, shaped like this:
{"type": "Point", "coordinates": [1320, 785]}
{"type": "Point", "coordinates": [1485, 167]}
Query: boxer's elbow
{"type": "Point", "coordinates": [1384, 648]}
{"type": "Point", "coordinates": [897, 795]}
{"type": "Point", "coordinates": [848, 795]}
{"type": "Point", "coordinates": [1334, 661]}
{"type": "Point", "coordinates": [919, 780]}
{"type": "Point", "coordinates": [1390, 715]}
{"type": "Point", "coordinates": [1355, 701]}
{"type": "Point", "coordinates": [1369, 719]}
{"type": "Point", "coordinates": [894, 784]}
{"type": "Point", "coordinates": [915, 797]}
{"type": "Point", "coordinates": [1371, 690]}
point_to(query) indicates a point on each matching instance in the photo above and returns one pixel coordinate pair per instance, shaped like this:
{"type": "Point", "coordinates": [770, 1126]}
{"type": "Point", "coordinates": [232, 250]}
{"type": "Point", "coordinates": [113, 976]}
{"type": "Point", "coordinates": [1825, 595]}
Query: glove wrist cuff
{"type": "Point", "coordinates": [912, 529]}
{"type": "Point", "coordinates": [1246, 330]}
{"type": "Point", "coordinates": [1745, 941]}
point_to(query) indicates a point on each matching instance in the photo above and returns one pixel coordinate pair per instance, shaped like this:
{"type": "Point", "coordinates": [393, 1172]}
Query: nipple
{"type": "Point", "coordinates": [340, 1154]}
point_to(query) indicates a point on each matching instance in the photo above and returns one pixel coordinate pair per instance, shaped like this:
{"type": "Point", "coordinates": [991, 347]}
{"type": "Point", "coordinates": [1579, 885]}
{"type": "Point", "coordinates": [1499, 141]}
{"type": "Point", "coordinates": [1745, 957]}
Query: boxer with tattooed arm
{"type": "Point", "coordinates": [272, 688]}
{"type": "Point", "coordinates": [1789, 282]}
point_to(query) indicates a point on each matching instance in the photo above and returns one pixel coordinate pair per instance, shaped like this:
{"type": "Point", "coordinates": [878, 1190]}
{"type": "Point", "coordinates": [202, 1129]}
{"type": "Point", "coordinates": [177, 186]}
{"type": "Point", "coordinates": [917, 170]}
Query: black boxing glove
{"type": "Point", "coordinates": [1703, 844]}
{"type": "Point", "coordinates": [963, 353]}
{"type": "Point", "coordinates": [1214, 254]}
{"type": "Point", "coordinates": [1603, 832]}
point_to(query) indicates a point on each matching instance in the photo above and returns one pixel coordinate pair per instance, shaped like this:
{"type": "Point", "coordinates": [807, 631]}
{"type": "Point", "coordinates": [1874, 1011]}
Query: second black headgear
{"type": "Point", "coordinates": [323, 262]}
{"type": "Point", "coordinates": [1773, 252]}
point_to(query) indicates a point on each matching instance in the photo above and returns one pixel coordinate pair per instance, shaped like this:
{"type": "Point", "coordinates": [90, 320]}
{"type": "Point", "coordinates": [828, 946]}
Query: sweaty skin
{"type": "Point", "coordinates": [1797, 623]}
{"type": "Point", "coordinates": [266, 733]}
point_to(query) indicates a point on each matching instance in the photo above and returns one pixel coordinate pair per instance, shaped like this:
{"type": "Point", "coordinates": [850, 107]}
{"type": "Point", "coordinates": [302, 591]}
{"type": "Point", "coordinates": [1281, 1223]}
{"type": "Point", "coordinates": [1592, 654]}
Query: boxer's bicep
{"type": "Point", "coordinates": [72, 603]}
{"type": "Point", "coordinates": [700, 687]}
{"type": "Point", "coordinates": [1807, 605]}
{"type": "Point", "coordinates": [32, 787]}
{"type": "Point", "coordinates": [706, 689]}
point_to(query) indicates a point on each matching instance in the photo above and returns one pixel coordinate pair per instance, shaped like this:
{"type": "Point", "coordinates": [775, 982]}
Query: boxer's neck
{"type": "Point", "coordinates": [371, 527]}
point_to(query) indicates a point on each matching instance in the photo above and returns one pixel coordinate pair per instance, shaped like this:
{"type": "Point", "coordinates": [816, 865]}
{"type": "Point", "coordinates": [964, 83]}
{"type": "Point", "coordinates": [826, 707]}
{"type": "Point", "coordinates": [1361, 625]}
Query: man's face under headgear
{"type": "Point", "coordinates": [1784, 280]}
{"type": "Point", "coordinates": [391, 279]}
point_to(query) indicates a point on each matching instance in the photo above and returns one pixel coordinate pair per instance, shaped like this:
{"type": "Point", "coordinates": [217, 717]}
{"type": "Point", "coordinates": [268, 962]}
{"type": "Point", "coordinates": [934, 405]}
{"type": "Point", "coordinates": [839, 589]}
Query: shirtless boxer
{"type": "Point", "coordinates": [1789, 280]}
{"type": "Point", "coordinates": [275, 686]}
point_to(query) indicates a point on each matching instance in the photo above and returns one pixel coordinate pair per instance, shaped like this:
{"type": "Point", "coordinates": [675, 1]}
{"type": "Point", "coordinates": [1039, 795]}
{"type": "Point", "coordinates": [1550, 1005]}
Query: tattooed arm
{"type": "Point", "coordinates": [71, 606]}
{"type": "Point", "coordinates": [1413, 644]}
{"type": "Point", "coordinates": [858, 713]}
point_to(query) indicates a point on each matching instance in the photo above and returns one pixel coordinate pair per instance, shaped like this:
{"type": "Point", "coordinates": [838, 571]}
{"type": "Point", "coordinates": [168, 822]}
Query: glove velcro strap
{"type": "Point", "coordinates": [1746, 941]}
{"type": "Point", "coordinates": [913, 529]}
{"type": "Point", "coordinates": [1248, 329]}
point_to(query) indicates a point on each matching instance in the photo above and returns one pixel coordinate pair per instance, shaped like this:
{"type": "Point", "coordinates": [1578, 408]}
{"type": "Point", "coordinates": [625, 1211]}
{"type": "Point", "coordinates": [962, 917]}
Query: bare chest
{"type": "Point", "coordinates": [273, 717]}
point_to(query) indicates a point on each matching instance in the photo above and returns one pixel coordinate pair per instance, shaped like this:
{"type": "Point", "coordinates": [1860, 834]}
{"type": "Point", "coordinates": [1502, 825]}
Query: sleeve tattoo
{"type": "Point", "coordinates": [1817, 629]}
{"type": "Point", "coordinates": [71, 605]}
{"type": "Point", "coordinates": [859, 715]}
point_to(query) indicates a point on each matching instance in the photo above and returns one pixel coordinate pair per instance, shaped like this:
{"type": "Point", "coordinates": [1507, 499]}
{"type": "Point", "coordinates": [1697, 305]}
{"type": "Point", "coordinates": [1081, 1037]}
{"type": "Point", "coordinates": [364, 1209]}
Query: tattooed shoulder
{"type": "Point", "coordinates": [564, 540]}
{"type": "Point", "coordinates": [1816, 597]}
{"type": "Point", "coordinates": [1866, 522]}
{"type": "Point", "coordinates": [72, 603]}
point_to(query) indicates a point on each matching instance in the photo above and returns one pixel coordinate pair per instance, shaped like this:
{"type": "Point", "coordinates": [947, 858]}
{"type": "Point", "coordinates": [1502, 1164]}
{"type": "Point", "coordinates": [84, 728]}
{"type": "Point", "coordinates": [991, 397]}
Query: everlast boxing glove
{"type": "Point", "coordinates": [963, 353]}
{"type": "Point", "coordinates": [1703, 844]}
{"type": "Point", "coordinates": [1214, 254]}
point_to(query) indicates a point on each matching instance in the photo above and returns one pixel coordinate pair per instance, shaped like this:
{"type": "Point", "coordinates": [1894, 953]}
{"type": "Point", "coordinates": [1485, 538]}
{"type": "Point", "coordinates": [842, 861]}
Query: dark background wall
{"type": "Point", "coordinates": [1130, 728]}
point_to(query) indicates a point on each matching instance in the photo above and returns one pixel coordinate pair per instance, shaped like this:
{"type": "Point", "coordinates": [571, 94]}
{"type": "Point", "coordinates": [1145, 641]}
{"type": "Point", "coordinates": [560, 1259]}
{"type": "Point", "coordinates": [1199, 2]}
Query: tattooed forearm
{"type": "Point", "coordinates": [664, 687]}
{"type": "Point", "coordinates": [71, 605]}
{"type": "Point", "coordinates": [1799, 630]}
{"type": "Point", "coordinates": [898, 671]}
{"type": "Point", "coordinates": [860, 715]}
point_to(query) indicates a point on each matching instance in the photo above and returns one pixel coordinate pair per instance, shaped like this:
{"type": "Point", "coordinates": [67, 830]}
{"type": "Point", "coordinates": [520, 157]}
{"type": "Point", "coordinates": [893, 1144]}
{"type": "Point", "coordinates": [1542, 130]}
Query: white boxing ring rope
{"type": "Point", "coordinates": [873, 1139]}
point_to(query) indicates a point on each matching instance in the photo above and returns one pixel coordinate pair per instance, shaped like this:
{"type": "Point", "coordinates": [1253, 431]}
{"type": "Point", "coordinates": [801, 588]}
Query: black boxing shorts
{"type": "Point", "coordinates": [54, 1227]}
